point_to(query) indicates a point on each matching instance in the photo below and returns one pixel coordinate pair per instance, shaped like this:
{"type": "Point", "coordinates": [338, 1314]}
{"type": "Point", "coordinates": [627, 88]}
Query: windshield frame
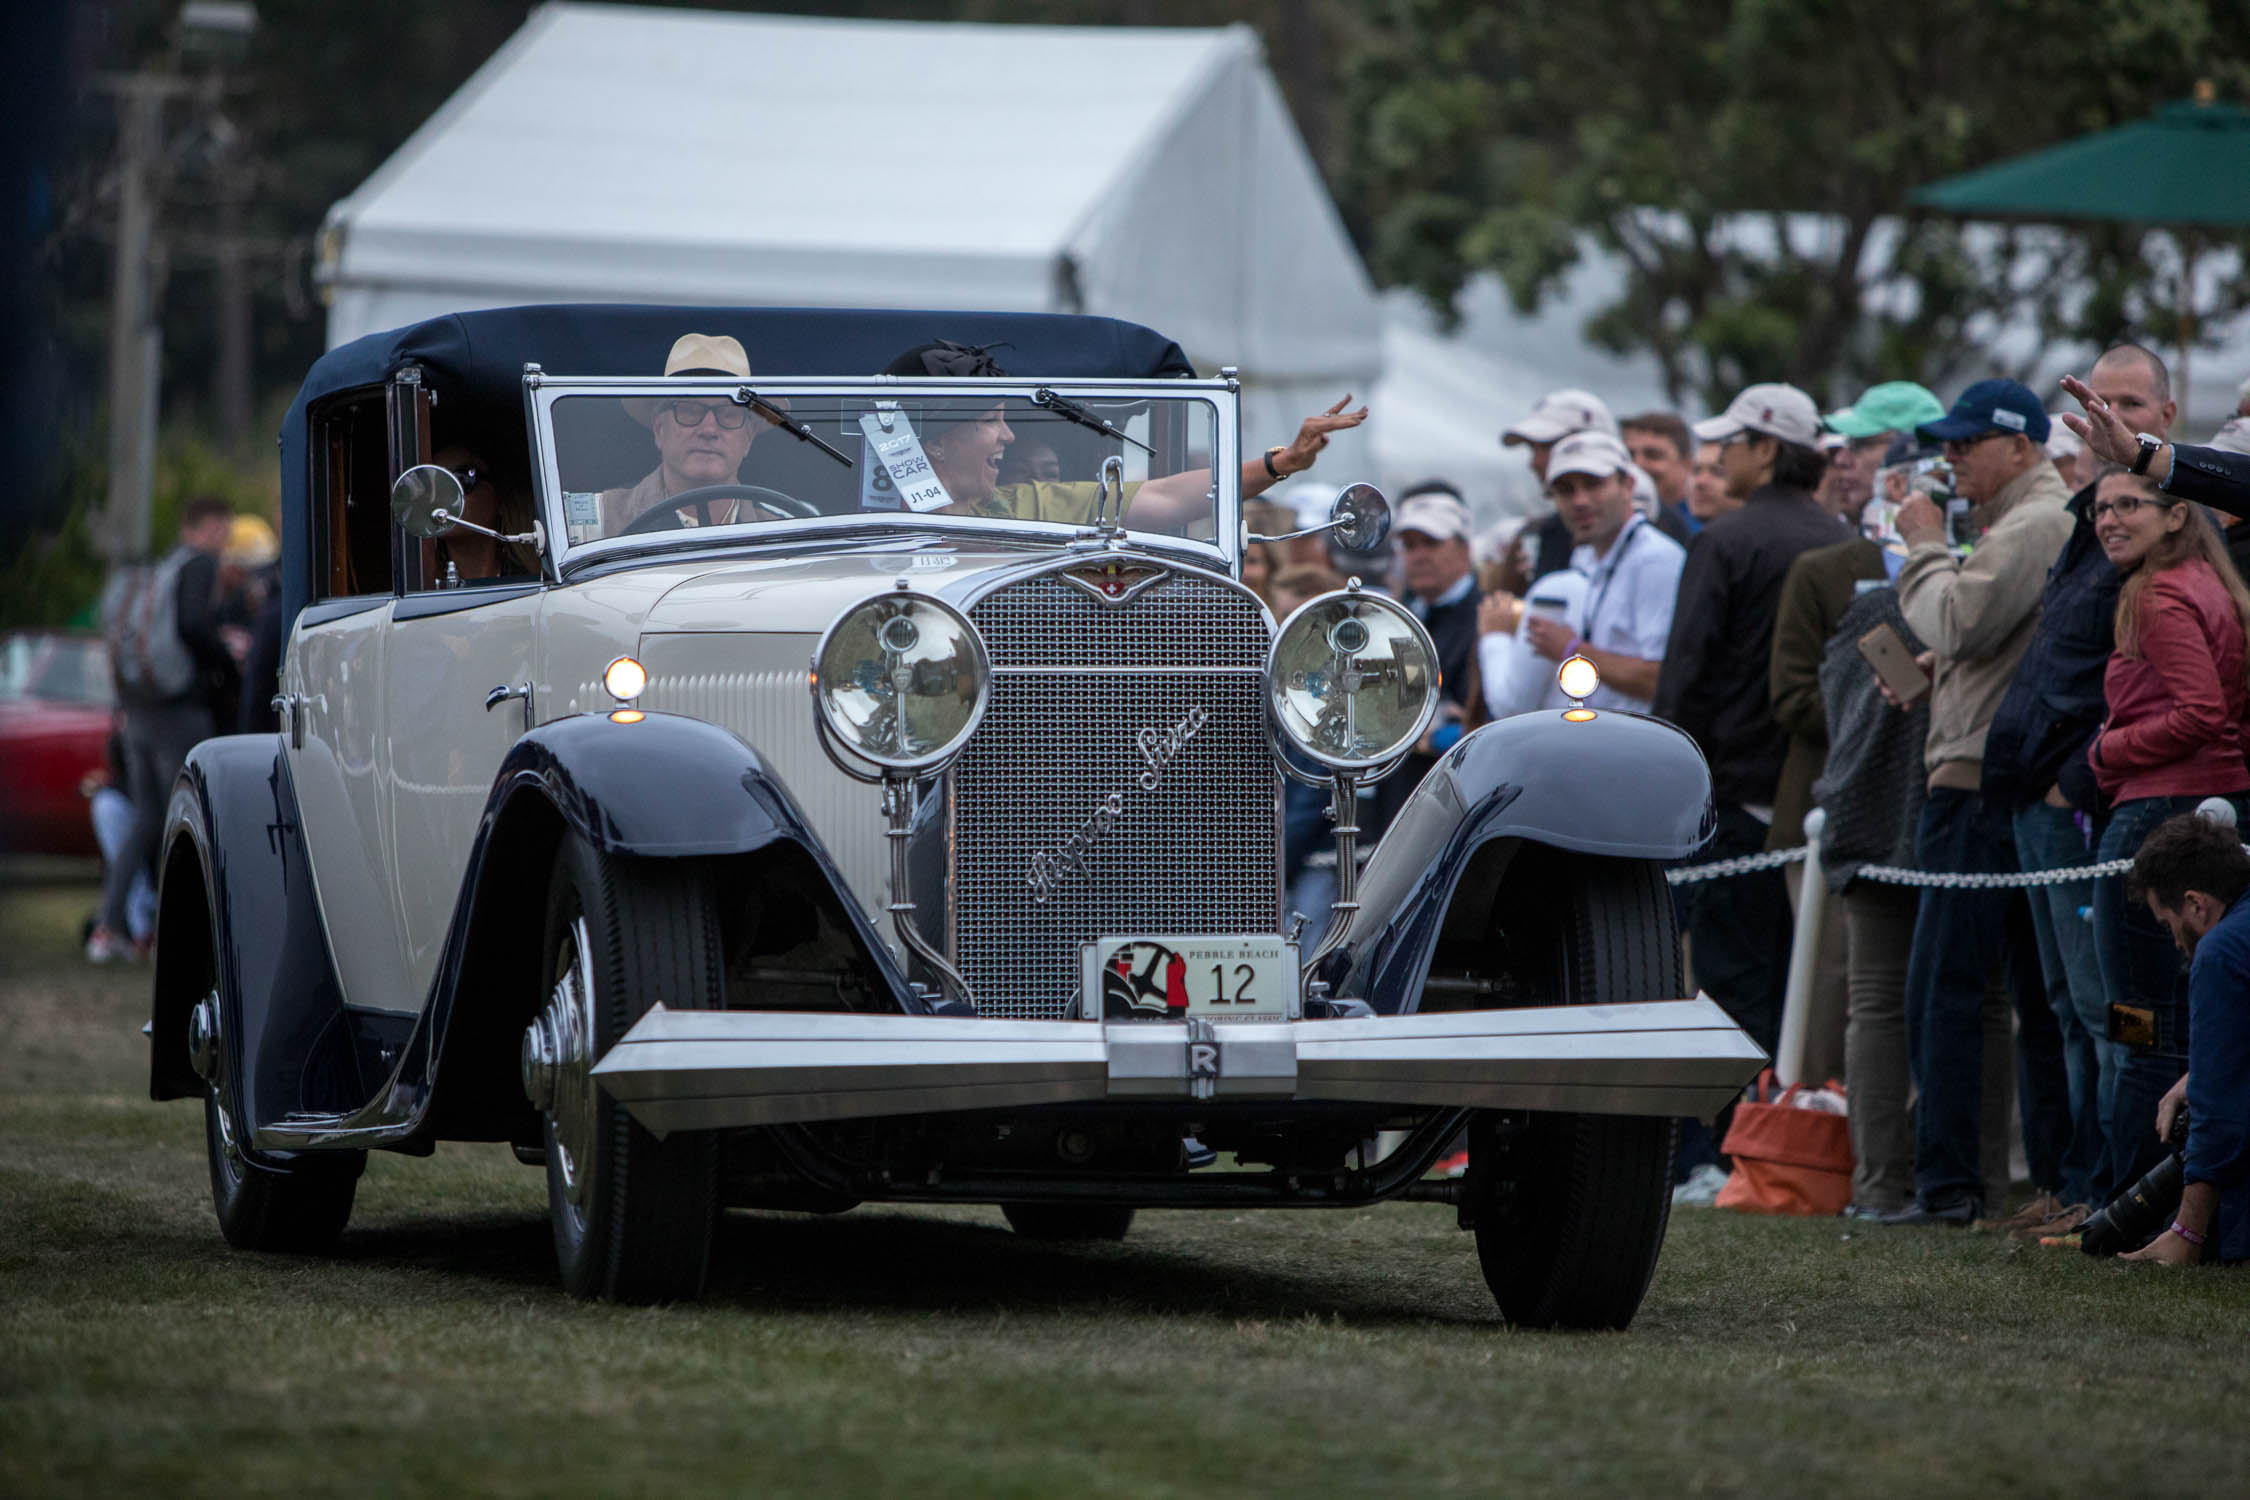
{"type": "Point", "coordinates": [542, 391]}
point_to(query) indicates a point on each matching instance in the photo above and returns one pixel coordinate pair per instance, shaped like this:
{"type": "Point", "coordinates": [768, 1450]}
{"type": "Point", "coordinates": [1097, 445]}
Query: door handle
{"type": "Point", "coordinates": [503, 693]}
{"type": "Point", "coordinates": [295, 708]}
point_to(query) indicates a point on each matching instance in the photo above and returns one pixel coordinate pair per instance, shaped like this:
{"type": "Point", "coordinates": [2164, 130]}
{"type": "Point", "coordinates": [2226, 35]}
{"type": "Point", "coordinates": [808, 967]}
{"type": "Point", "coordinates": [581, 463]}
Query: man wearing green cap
{"type": "Point", "coordinates": [1871, 424]}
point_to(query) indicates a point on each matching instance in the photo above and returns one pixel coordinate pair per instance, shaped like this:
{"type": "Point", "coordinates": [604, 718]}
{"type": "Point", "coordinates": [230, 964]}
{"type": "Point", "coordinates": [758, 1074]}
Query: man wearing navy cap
{"type": "Point", "coordinates": [1977, 612]}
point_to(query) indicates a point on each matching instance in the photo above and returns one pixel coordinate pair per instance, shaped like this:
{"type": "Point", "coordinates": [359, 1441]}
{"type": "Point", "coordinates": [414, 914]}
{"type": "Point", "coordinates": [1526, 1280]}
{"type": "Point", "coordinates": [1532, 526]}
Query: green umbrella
{"type": "Point", "coordinates": [2186, 165]}
{"type": "Point", "coordinates": [2184, 168]}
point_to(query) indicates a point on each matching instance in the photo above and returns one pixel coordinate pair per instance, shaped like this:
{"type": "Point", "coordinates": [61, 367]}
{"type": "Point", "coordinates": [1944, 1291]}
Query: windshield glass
{"type": "Point", "coordinates": [56, 668]}
{"type": "Point", "coordinates": [660, 461]}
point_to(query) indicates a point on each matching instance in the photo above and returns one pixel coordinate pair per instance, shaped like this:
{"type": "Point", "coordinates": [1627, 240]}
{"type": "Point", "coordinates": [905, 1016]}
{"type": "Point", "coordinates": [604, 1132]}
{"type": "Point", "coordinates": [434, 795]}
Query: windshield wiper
{"type": "Point", "coordinates": [1063, 406]}
{"type": "Point", "coordinates": [778, 417]}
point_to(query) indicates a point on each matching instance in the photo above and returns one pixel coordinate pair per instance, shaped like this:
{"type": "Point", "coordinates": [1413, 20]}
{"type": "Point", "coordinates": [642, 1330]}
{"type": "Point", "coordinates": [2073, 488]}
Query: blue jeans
{"type": "Point", "coordinates": [1955, 970]}
{"type": "Point", "coordinates": [2047, 838]}
{"type": "Point", "coordinates": [2141, 967]}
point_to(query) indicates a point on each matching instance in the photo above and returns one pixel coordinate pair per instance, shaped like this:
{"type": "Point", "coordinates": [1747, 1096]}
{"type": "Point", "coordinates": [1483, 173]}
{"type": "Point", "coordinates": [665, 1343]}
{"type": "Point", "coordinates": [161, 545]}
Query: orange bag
{"type": "Point", "coordinates": [1788, 1159]}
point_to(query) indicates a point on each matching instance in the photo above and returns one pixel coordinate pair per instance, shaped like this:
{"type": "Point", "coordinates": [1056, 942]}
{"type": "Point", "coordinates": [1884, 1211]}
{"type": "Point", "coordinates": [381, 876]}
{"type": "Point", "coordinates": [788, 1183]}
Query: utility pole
{"type": "Point", "coordinates": [135, 336]}
{"type": "Point", "coordinates": [136, 339]}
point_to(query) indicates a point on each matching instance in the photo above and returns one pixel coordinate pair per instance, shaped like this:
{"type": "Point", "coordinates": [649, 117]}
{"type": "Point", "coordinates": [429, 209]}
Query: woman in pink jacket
{"type": "Point", "coordinates": [2176, 691]}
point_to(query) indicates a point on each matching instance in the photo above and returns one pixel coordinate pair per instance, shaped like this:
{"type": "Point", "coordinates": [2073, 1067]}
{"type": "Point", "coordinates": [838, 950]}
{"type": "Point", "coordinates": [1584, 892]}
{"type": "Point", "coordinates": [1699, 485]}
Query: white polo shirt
{"type": "Point", "coordinates": [1620, 601]}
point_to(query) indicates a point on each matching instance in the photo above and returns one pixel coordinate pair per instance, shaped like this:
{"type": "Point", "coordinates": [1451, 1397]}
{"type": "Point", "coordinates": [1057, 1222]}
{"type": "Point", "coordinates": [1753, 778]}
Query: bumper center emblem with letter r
{"type": "Point", "coordinates": [1158, 748]}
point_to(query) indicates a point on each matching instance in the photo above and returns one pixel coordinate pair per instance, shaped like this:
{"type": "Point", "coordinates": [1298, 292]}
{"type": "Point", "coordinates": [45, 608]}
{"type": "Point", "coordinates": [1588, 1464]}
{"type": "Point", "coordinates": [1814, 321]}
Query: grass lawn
{"type": "Point", "coordinates": [930, 1353]}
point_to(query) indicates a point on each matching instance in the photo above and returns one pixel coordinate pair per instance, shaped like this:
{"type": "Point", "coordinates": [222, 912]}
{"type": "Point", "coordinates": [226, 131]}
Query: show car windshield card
{"type": "Point", "coordinates": [1249, 977]}
{"type": "Point", "coordinates": [890, 437]}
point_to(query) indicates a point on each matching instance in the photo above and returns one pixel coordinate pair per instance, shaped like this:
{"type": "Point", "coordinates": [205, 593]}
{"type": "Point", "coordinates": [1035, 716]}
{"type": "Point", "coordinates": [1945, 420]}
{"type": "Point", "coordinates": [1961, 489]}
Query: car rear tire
{"type": "Point", "coordinates": [1571, 1209]}
{"type": "Point", "coordinates": [1068, 1221]}
{"type": "Point", "coordinates": [299, 1205]}
{"type": "Point", "coordinates": [633, 1216]}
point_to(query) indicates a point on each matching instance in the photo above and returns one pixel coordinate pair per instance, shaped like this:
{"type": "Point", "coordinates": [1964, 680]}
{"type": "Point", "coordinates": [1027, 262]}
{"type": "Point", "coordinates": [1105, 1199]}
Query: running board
{"type": "Point", "coordinates": [706, 1070]}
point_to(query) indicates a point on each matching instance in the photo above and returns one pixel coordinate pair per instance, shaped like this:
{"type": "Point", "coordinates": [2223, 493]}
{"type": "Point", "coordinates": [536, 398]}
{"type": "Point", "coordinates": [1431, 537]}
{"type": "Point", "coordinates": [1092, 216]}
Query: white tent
{"type": "Point", "coordinates": [613, 153]}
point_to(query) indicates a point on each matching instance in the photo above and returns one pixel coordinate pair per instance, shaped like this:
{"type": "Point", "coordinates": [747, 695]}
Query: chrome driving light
{"type": "Point", "coordinates": [901, 681]}
{"type": "Point", "coordinates": [625, 679]}
{"type": "Point", "coordinates": [1353, 680]}
{"type": "Point", "coordinates": [1578, 677]}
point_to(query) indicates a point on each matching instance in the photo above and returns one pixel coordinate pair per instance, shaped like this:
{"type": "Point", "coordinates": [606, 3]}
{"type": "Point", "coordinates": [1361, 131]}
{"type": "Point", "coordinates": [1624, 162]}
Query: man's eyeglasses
{"type": "Point", "coordinates": [690, 414]}
{"type": "Point", "coordinates": [470, 475]}
{"type": "Point", "coordinates": [1963, 445]}
{"type": "Point", "coordinates": [2125, 505]}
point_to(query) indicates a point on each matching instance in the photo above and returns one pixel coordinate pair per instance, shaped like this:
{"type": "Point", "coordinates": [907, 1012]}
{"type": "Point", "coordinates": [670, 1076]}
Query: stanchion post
{"type": "Point", "coordinates": [1804, 958]}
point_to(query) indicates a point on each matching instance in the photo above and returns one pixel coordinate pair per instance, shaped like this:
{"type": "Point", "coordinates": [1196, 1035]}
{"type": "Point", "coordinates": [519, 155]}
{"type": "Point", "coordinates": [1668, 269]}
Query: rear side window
{"type": "Point", "coordinates": [352, 495]}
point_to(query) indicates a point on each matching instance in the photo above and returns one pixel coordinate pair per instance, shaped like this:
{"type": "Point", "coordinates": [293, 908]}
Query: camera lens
{"type": "Point", "coordinates": [2134, 1216]}
{"type": "Point", "coordinates": [1348, 636]}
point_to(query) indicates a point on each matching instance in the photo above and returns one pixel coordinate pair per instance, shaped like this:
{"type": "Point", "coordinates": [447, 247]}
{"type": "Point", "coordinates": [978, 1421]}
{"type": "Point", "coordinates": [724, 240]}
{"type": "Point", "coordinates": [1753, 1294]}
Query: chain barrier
{"type": "Point", "coordinates": [1741, 864]}
{"type": "Point", "coordinates": [1944, 880]}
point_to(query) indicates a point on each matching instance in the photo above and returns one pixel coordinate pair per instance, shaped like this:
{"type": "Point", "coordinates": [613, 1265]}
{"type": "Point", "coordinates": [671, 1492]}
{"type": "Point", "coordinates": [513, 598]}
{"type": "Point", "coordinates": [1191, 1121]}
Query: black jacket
{"type": "Point", "coordinates": [1717, 663]}
{"type": "Point", "coordinates": [2211, 476]}
{"type": "Point", "coordinates": [2054, 704]}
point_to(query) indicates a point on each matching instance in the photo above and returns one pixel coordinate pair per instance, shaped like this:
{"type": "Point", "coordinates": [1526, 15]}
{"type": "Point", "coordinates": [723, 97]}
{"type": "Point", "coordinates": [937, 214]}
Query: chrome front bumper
{"type": "Point", "coordinates": [703, 1070]}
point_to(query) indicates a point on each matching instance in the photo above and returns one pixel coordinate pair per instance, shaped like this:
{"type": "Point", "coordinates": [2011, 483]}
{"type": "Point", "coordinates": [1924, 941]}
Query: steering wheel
{"type": "Point", "coordinates": [663, 516]}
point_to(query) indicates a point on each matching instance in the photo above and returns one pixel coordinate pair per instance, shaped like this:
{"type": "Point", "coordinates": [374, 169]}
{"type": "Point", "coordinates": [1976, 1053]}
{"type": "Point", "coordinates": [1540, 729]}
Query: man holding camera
{"type": "Point", "coordinates": [2195, 877]}
{"type": "Point", "coordinates": [1977, 612]}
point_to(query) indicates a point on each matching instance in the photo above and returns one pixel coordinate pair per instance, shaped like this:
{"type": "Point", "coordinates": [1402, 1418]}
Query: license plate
{"type": "Point", "coordinates": [1250, 978]}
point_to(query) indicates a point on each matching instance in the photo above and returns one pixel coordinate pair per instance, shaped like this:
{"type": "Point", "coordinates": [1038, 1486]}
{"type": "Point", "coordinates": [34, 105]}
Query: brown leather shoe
{"type": "Point", "coordinates": [2038, 1211]}
{"type": "Point", "coordinates": [2065, 1221]}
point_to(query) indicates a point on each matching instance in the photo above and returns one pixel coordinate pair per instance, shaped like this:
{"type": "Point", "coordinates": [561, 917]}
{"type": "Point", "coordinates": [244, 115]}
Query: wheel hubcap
{"type": "Point", "coordinates": [558, 1065]}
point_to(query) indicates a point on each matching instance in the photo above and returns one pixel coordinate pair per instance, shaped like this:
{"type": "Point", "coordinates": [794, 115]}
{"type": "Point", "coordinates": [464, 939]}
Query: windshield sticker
{"type": "Point", "coordinates": [899, 457]}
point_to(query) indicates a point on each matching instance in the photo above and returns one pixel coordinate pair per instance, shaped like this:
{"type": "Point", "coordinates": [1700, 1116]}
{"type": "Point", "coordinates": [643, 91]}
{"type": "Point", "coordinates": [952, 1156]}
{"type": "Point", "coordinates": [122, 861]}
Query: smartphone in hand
{"type": "Point", "coordinates": [1894, 664]}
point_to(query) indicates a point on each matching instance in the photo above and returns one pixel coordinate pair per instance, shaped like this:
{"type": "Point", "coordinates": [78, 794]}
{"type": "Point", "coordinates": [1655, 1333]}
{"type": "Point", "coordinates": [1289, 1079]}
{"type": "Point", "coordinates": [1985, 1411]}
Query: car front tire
{"type": "Point", "coordinates": [633, 1216]}
{"type": "Point", "coordinates": [1570, 1208]}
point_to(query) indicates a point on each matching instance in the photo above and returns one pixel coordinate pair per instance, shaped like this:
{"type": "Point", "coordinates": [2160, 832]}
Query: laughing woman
{"type": "Point", "coordinates": [2176, 691]}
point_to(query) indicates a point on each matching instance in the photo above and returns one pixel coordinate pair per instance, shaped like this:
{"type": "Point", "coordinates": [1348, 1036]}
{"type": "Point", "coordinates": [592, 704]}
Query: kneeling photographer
{"type": "Point", "coordinates": [2193, 874]}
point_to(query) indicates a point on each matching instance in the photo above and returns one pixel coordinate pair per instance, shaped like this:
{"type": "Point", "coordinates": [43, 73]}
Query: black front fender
{"type": "Point", "coordinates": [663, 785]}
{"type": "Point", "coordinates": [1616, 784]}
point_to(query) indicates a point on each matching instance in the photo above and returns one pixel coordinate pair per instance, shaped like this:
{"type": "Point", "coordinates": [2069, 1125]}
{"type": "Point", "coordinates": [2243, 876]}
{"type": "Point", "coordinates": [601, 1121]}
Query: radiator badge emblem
{"type": "Point", "coordinates": [1050, 870]}
{"type": "Point", "coordinates": [1115, 582]}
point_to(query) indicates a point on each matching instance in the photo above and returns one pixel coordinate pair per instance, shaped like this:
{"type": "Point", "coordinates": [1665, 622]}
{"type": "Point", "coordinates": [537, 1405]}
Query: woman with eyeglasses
{"type": "Point", "coordinates": [2177, 690]}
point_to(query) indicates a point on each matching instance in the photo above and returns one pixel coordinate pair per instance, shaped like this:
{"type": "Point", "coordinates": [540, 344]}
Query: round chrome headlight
{"type": "Point", "coordinates": [901, 680]}
{"type": "Point", "coordinates": [1353, 680]}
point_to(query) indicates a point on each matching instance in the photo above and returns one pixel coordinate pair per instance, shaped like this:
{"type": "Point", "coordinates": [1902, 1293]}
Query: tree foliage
{"type": "Point", "coordinates": [1750, 163]}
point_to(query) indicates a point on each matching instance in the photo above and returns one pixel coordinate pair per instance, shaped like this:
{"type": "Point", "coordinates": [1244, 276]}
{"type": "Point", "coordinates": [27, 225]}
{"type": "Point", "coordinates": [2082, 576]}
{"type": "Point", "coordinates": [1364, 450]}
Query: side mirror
{"type": "Point", "coordinates": [1361, 518]}
{"type": "Point", "coordinates": [426, 501]}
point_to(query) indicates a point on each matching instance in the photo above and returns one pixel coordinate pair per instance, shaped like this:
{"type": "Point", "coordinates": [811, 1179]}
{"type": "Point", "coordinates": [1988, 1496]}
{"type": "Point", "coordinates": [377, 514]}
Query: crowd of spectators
{"type": "Point", "coordinates": [1979, 639]}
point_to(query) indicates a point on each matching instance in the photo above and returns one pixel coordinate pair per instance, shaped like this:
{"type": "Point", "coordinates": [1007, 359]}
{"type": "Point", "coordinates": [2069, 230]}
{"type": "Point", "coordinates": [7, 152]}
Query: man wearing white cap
{"type": "Point", "coordinates": [1557, 416]}
{"type": "Point", "coordinates": [1613, 604]}
{"type": "Point", "coordinates": [1714, 685]}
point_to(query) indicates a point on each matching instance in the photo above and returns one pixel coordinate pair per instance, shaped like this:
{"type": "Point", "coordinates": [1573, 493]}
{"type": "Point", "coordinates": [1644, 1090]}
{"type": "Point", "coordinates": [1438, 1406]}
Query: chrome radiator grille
{"type": "Point", "coordinates": [1076, 682]}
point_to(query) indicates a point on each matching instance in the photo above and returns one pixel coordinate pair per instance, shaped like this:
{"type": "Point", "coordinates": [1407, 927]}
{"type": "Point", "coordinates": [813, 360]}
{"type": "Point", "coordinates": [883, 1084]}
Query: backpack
{"type": "Point", "coordinates": [140, 612]}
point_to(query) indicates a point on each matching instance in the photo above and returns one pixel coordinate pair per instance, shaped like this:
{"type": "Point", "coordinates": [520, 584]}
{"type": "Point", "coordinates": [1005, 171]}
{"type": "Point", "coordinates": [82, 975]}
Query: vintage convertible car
{"type": "Point", "coordinates": [891, 813]}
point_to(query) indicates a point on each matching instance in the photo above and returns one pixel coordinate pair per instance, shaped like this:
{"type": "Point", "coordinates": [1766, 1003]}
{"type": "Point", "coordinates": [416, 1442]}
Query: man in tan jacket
{"type": "Point", "coordinates": [1977, 613]}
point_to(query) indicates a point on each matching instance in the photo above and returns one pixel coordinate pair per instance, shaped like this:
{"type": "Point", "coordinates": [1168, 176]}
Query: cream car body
{"type": "Point", "coordinates": [748, 934]}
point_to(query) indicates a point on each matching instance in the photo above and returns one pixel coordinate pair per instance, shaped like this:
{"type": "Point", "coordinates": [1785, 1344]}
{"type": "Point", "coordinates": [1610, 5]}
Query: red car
{"type": "Point", "coordinates": [55, 706]}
